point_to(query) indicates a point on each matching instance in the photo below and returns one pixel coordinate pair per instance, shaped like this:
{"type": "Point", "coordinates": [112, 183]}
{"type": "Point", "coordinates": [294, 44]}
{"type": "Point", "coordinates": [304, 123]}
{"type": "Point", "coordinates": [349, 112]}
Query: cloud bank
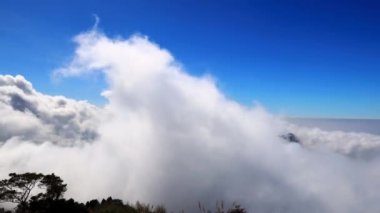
{"type": "Point", "coordinates": [352, 144]}
{"type": "Point", "coordinates": [32, 116]}
{"type": "Point", "coordinates": [168, 137]}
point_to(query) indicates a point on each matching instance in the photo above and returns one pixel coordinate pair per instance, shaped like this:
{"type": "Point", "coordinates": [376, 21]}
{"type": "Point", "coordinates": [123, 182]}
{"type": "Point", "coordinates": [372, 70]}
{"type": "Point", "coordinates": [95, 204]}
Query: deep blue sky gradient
{"type": "Point", "coordinates": [299, 58]}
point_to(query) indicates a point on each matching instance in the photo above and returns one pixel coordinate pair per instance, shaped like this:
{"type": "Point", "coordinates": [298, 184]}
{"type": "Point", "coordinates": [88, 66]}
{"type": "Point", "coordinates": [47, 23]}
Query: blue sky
{"type": "Point", "coordinates": [300, 58]}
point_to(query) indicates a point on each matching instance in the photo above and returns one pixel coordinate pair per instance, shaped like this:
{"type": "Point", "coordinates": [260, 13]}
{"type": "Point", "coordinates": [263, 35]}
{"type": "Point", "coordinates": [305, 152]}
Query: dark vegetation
{"type": "Point", "coordinates": [18, 189]}
{"type": "Point", "coordinates": [290, 137]}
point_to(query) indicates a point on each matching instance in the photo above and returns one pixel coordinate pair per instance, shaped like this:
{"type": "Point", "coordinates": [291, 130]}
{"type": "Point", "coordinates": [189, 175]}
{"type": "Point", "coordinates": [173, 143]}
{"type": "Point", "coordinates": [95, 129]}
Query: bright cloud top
{"type": "Point", "coordinates": [32, 116]}
{"type": "Point", "coordinates": [168, 137]}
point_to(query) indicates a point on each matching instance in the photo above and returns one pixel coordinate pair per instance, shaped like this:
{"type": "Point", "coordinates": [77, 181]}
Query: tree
{"type": "Point", "coordinates": [57, 206]}
{"type": "Point", "coordinates": [17, 188]}
{"type": "Point", "coordinates": [54, 186]}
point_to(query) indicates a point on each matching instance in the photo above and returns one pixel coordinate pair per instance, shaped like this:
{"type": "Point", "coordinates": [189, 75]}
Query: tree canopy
{"type": "Point", "coordinates": [54, 186]}
{"type": "Point", "coordinates": [18, 187]}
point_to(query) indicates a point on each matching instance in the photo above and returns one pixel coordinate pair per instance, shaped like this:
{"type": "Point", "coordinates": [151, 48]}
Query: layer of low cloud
{"type": "Point", "coordinates": [358, 145]}
{"type": "Point", "coordinates": [370, 126]}
{"type": "Point", "coordinates": [168, 137]}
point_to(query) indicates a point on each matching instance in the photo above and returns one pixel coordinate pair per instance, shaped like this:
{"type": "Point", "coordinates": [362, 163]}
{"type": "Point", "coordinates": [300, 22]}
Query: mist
{"type": "Point", "coordinates": [167, 137]}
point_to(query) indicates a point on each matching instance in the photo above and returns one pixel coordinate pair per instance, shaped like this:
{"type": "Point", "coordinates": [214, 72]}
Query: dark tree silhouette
{"type": "Point", "coordinates": [56, 206]}
{"type": "Point", "coordinates": [54, 186]}
{"type": "Point", "coordinates": [17, 188]}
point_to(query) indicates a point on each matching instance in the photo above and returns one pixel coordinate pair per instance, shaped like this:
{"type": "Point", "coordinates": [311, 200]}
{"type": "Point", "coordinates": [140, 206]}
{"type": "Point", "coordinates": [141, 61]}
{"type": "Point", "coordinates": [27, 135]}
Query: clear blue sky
{"type": "Point", "coordinates": [301, 58]}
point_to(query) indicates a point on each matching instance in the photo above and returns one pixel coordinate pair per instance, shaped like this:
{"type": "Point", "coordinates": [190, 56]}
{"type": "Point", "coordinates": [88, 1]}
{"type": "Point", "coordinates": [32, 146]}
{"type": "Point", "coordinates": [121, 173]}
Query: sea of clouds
{"type": "Point", "coordinates": [168, 137]}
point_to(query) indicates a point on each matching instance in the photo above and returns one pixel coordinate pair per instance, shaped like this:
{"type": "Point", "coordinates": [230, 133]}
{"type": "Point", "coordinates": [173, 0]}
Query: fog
{"type": "Point", "coordinates": [168, 137]}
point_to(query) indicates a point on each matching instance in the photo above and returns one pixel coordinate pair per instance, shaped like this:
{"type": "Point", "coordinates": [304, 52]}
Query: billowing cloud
{"type": "Point", "coordinates": [168, 137]}
{"type": "Point", "coordinates": [32, 116]}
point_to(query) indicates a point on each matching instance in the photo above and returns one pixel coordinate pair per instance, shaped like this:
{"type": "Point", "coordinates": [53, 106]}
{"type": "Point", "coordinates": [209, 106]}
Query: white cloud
{"type": "Point", "coordinates": [168, 137]}
{"type": "Point", "coordinates": [353, 144]}
{"type": "Point", "coordinates": [32, 116]}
